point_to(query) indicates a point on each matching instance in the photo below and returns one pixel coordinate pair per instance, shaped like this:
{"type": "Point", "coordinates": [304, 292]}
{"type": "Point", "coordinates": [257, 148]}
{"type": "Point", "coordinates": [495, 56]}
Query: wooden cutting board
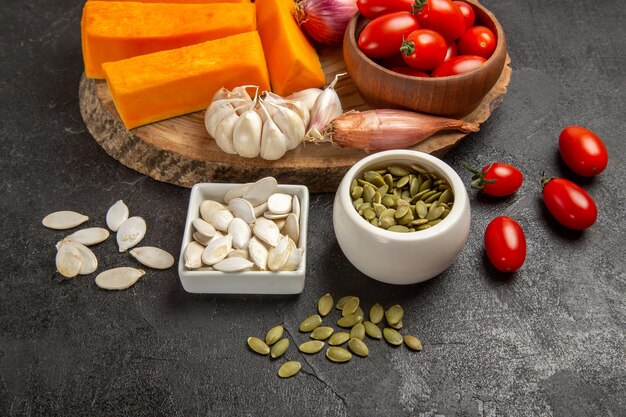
{"type": "Point", "coordinates": [180, 151]}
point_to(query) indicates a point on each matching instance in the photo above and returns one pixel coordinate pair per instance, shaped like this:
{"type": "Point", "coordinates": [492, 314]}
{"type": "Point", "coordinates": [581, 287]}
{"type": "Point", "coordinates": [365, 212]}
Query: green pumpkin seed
{"type": "Point", "coordinates": [325, 304]}
{"type": "Point", "coordinates": [446, 196]}
{"type": "Point", "coordinates": [342, 301]}
{"type": "Point", "coordinates": [312, 346]}
{"type": "Point", "coordinates": [395, 314]}
{"type": "Point", "coordinates": [388, 180]}
{"type": "Point", "coordinates": [386, 222]}
{"type": "Point", "coordinates": [274, 335]}
{"type": "Point", "coordinates": [398, 228]}
{"type": "Point", "coordinates": [420, 208]}
{"type": "Point", "coordinates": [426, 185]}
{"type": "Point", "coordinates": [445, 214]}
{"type": "Point", "coordinates": [279, 348]}
{"type": "Point", "coordinates": [383, 189]}
{"type": "Point", "coordinates": [368, 193]}
{"type": "Point", "coordinates": [402, 181]}
{"type": "Point", "coordinates": [322, 333]}
{"type": "Point", "coordinates": [350, 306]}
{"type": "Point", "coordinates": [370, 175]}
{"type": "Point", "coordinates": [338, 354]}
{"type": "Point", "coordinates": [356, 192]}
{"type": "Point", "coordinates": [357, 331]}
{"type": "Point", "coordinates": [364, 207]}
{"type": "Point", "coordinates": [396, 193]}
{"type": "Point", "coordinates": [402, 202]}
{"type": "Point", "coordinates": [388, 201]}
{"type": "Point", "coordinates": [357, 203]}
{"type": "Point", "coordinates": [414, 186]}
{"type": "Point", "coordinates": [406, 219]}
{"type": "Point", "coordinates": [424, 227]}
{"type": "Point", "coordinates": [418, 168]}
{"type": "Point", "coordinates": [377, 312]}
{"type": "Point", "coordinates": [258, 346]}
{"type": "Point", "coordinates": [388, 213]}
{"type": "Point", "coordinates": [339, 338]}
{"type": "Point", "coordinates": [401, 211]}
{"type": "Point", "coordinates": [353, 184]}
{"type": "Point", "coordinates": [398, 171]}
{"type": "Point", "coordinates": [427, 195]}
{"type": "Point", "coordinates": [379, 208]}
{"type": "Point", "coordinates": [433, 197]}
{"type": "Point", "coordinates": [289, 369]}
{"type": "Point", "coordinates": [372, 330]}
{"type": "Point", "coordinates": [363, 183]}
{"type": "Point", "coordinates": [349, 321]}
{"type": "Point", "coordinates": [406, 195]}
{"type": "Point", "coordinates": [311, 323]}
{"type": "Point", "coordinates": [435, 214]}
{"type": "Point", "coordinates": [419, 222]}
{"type": "Point", "coordinates": [369, 213]}
{"type": "Point", "coordinates": [358, 347]}
{"type": "Point", "coordinates": [377, 198]}
{"type": "Point", "coordinates": [413, 342]}
{"type": "Point", "coordinates": [392, 336]}
{"type": "Point", "coordinates": [374, 222]}
{"type": "Point", "coordinates": [397, 325]}
{"type": "Point", "coordinates": [359, 312]}
{"type": "Point", "coordinates": [435, 222]}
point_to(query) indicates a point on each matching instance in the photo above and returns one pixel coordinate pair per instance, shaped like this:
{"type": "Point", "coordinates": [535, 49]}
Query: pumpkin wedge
{"type": "Point", "coordinates": [184, 1]}
{"type": "Point", "coordinates": [114, 30]}
{"type": "Point", "coordinates": [292, 61]}
{"type": "Point", "coordinates": [164, 84]}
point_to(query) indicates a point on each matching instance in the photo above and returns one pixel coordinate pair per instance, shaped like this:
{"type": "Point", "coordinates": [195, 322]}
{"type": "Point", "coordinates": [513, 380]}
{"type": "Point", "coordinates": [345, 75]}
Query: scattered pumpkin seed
{"type": "Point", "coordinates": [339, 338]}
{"type": "Point", "coordinates": [372, 330]}
{"type": "Point", "coordinates": [289, 369]}
{"type": "Point", "coordinates": [358, 347]}
{"type": "Point", "coordinates": [338, 354]}
{"type": "Point", "coordinates": [311, 323]}
{"type": "Point", "coordinates": [274, 335]}
{"type": "Point", "coordinates": [395, 314]}
{"type": "Point", "coordinates": [350, 306]}
{"type": "Point", "coordinates": [413, 342]}
{"type": "Point", "coordinates": [325, 304]}
{"type": "Point", "coordinates": [357, 331]}
{"type": "Point", "coordinates": [312, 346]}
{"type": "Point", "coordinates": [279, 348]}
{"type": "Point", "coordinates": [377, 312]}
{"type": "Point", "coordinates": [397, 325]}
{"type": "Point", "coordinates": [342, 301]}
{"type": "Point", "coordinates": [258, 346]}
{"type": "Point", "coordinates": [392, 336]}
{"type": "Point", "coordinates": [322, 333]}
{"type": "Point", "coordinates": [349, 321]}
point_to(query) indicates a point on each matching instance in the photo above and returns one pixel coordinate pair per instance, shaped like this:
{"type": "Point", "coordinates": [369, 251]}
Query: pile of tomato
{"type": "Point", "coordinates": [425, 38]}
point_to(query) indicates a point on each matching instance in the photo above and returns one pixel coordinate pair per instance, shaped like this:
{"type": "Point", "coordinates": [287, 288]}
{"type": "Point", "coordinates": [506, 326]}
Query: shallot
{"type": "Point", "coordinates": [325, 21]}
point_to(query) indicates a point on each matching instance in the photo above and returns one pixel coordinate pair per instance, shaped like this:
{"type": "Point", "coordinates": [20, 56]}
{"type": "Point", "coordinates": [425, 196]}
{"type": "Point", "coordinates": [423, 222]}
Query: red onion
{"type": "Point", "coordinates": [325, 21]}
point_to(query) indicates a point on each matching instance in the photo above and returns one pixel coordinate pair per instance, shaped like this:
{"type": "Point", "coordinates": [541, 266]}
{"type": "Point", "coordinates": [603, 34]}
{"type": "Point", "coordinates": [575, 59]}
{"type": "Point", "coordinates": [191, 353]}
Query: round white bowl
{"type": "Point", "coordinates": [394, 257]}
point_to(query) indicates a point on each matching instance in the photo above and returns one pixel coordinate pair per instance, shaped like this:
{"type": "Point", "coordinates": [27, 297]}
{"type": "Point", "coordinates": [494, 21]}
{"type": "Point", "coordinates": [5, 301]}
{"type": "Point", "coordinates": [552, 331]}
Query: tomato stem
{"type": "Point", "coordinates": [407, 47]}
{"type": "Point", "coordinates": [545, 180]}
{"type": "Point", "coordinates": [478, 179]}
{"type": "Point", "coordinates": [417, 6]}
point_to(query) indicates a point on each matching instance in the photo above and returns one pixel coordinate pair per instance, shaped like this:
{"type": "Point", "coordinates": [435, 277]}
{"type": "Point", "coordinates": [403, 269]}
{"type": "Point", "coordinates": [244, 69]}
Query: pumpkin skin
{"type": "Point", "coordinates": [115, 30]}
{"type": "Point", "coordinates": [292, 61]}
{"type": "Point", "coordinates": [157, 86]}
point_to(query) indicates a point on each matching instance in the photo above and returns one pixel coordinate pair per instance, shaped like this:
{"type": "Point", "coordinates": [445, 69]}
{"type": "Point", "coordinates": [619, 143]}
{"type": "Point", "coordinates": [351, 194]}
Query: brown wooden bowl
{"type": "Point", "coordinates": [453, 96]}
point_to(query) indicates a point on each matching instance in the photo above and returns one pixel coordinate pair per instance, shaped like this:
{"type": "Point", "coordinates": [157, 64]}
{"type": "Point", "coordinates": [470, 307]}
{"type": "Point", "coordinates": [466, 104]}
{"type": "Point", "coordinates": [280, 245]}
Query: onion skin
{"type": "Point", "coordinates": [385, 129]}
{"type": "Point", "coordinates": [325, 21]}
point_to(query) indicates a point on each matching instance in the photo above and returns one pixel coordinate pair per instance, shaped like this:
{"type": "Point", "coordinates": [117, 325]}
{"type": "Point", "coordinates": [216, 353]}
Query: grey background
{"type": "Point", "coordinates": [548, 340]}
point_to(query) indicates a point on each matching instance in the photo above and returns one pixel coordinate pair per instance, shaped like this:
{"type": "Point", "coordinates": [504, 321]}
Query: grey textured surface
{"type": "Point", "coordinates": [548, 340]}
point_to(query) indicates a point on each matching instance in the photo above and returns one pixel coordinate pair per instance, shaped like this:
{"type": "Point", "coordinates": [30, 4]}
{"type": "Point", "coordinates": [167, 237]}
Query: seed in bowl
{"type": "Point", "coordinates": [402, 198]}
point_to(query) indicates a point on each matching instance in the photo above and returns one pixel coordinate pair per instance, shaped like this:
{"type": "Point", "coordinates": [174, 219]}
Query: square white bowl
{"type": "Point", "coordinates": [248, 282]}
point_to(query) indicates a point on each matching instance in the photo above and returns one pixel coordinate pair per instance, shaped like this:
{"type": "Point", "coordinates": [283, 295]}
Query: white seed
{"type": "Point", "coordinates": [193, 255]}
{"type": "Point", "coordinates": [61, 220]}
{"type": "Point", "coordinates": [119, 278]}
{"type": "Point", "coordinates": [220, 219]}
{"type": "Point", "coordinates": [224, 133]}
{"type": "Point", "coordinates": [117, 214]}
{"type": "Point", "coordinates": [280, 223]}
{"type": "Point", "coordinates": [236, 192]}
{"type": "Point", "coordinates": [261, 190]}
{"type": "Point", "coordinates": [203, 228]}
{"type": "Point", "coordinates": [68, 260]}
{"type": "Point", "coordinates": [295, 206]}
{"type": "Point", "coordinates": [240, 231]}
{"type": "Point", "coordinates": [217, 250]}
{"type": "Point", "coordinates": [292, 227]}
{"type": "Point", "coordinates": [295, 255]}
{"type": "Point", "coordinates": [241, 253]}
{"type": "Point", "coordinates": [209, 206]}
{"type": "Point", "coordinates": [130, 233]}
{"type": "Point", "coordinates": [234, 264]}
{"type": "Point", "coordinates": [89, 262]}
{"type": "Point", "coordinates": [260, 209]}
{"type": "Point", "coordinates": [267, 231]}
{"type": "Point", "coordinates": [218, 235]}
{"type": "Point", "coordinates": [89, 236]}
{"type": "Point", "coordinates": [153, 257]}
{"type": "Point", "coordinates": [204, 268]}
{"type": "Point", "coordinates": [242, 209]}
{"type": "Point", "coordinates": [247, 134]}
{"type": "Point", "coordinates": [278, 255]}
{"type": "Point", "coordinates": [279, 203]}
{"type": "Point", "coordinates": [201, 239]}
{"type": "Point", "coordinates": [272, 216]}
{"type": "Point", "coordinates": [258, 253]}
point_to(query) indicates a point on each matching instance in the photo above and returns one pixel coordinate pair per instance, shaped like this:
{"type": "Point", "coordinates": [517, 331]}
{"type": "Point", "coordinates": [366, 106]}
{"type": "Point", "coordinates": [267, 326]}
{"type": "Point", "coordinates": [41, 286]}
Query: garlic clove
{"type": "Point", "coordinates": [290, 124]}
{"type": "Point", "coordinates": [247, 134]}
{"type": "Point", "coordinates": [216, 110]}
{"type": "Point", "coordinates": [224, 133]}
{"type": "Point", "coordinates": [306, 96]}
{"type": "Point", "coordinates": [274, 142]}
{"type": "Point", "coordinates": [326, 108]}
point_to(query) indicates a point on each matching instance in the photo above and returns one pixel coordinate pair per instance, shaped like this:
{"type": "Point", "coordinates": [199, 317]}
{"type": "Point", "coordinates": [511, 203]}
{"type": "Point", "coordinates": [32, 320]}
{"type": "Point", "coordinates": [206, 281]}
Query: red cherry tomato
{"type": "Point", "coordinates": [410, 71]}
{"type": "Point", "coordinates": [468, 12]}
{"type": "Point", "coordinates": [478, 40]}
{"type": "Point", "coordinates": [458, 65]}
{"type": "Point", "coordinates": [505, 244]}
{"type": "Point", "coordinates": [583, 151]}
{"type": "Point", "coordinates": [383, 36]}
{"type": "Point", "coordinates": [424, 49]}
{"type": "Point", "coordinates": [568, 203]}
{"type": "Point", "coordinates": [442, 16]}
{"type": "Point", "coordinates": [451, 52]}
{"type": "Point", "coordinates": [374, 8]}
{"type": "Point", "coordinates": [497, 179]}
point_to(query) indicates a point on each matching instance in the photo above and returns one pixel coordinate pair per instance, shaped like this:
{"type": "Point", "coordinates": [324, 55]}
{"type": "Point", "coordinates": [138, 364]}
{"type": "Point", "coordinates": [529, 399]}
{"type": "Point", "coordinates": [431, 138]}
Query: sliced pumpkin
{"type": "Point", "coordinates": [114, 30]}
{"type": "Point", "coordinates": [157, 86]}
{"type": "Point", "coordinates": [292, 61]}
{"type": "Point", "coordinates": [184, 1]}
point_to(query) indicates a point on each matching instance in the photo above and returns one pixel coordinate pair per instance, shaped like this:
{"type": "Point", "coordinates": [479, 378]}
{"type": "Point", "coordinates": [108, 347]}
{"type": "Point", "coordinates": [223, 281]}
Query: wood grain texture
{"type": "Point", "coordinates": [179, 150]}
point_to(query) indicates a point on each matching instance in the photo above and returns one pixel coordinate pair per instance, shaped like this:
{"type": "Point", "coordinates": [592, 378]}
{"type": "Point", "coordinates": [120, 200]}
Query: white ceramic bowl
{"type": "Point", "coordinates": [247, 282]}
{"type": "Point", "coordinates": [393, 257]}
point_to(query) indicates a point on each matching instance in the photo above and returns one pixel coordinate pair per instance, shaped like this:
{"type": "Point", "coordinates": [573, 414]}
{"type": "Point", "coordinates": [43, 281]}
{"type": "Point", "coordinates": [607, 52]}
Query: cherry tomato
{"type": "Point", "coordinates": [568, 203]}
{"type": "Point", "coordinates": [505, 244]}
{"type": "Point", "coordinates": [409, 71]}
{"type": "Point", "coordinates": [458, 65]}
{"type": "Point", "coordinates": [497, 179]}
{"type": "Point", "coordinates": [374, 8]}
{"type": "Point", "coordinates": [424, 49]}
{"type": "Point", "coordinates": [583, 151]}
{"type": "Point", "coordinates": [478, 40]}
{"type": "Point", "coordinates": [383, 36]}
{"type": "Point", "coordinates": [468, 12]}
{"type": "Point", "coordinates": [442, 16]}
{"type": "Point", "coordinates": [451, 52]}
